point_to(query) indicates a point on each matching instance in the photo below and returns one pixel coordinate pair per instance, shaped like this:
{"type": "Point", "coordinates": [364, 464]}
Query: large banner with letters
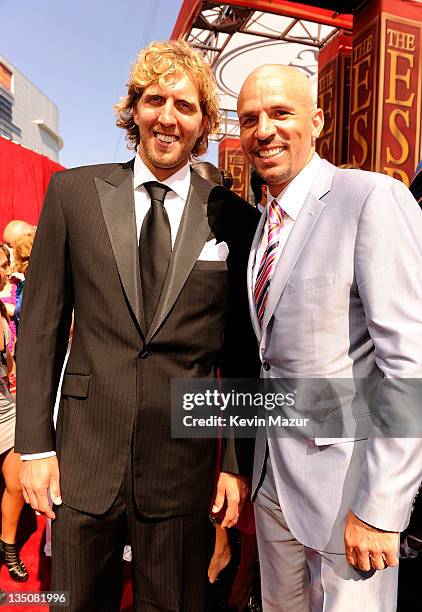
{"type": "Point", "coordinates": [232, 159]}
{"type": "Point", "coordinates": [399, 122]}
{"type": "Point", "coordinates": [385, 103]}
{"type": "Point", "coordinates": [334, 62]}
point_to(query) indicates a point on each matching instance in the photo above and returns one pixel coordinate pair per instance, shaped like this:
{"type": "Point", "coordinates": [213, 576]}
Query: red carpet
{"type": "Point", "coordinates": [38, 565]}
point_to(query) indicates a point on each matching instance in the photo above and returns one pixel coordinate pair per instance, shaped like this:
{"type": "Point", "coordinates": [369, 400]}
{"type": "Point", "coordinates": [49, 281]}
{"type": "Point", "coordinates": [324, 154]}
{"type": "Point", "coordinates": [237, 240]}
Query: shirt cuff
{"type": "Point", "coordinates": [38, 455]}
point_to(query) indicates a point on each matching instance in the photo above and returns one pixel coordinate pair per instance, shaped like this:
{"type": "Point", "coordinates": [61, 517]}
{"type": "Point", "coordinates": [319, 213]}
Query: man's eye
{"type": "Point", "coordinates": [184, 106]}
{"type": "Point", "coordinates": [280, 113]}
{"type": "Point", "coordinates": [247, 121]}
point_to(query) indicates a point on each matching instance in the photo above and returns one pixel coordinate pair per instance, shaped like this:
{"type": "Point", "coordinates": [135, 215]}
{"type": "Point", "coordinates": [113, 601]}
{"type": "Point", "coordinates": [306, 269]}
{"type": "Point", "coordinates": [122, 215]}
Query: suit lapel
{"type": "Point", "coordinates": [118, 206]}
{"type": "Point", "coordinates": [296, 241]}
{"type": "Point", "coordinates": [194, 229]}
{"type": "Point", "coordinates": [250, 274]}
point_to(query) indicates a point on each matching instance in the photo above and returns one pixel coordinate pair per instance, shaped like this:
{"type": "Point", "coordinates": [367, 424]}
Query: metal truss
{"type": "Point", "coordinates": [229, 126]}
{"type": "Point", "coordinates": [217, 23]}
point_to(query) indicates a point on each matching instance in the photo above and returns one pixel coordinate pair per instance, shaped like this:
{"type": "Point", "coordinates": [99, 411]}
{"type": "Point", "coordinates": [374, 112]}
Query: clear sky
{"type": "Point", "coordinates": [78, 52]}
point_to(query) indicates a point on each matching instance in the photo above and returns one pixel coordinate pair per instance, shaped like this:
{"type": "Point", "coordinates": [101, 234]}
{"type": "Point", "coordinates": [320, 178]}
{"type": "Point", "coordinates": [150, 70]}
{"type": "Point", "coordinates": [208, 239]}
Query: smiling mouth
{"type": "Point", "coordinates": [167, 138]}
{"type": "Point", "coordinates": [268, 153]}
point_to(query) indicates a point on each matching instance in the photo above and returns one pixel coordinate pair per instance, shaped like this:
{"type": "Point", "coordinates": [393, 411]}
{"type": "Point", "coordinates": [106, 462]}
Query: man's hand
{"type": "Point", "coordinates": [234, 489]}
{"type": "Point", "coordinates": [369, 548]}
{"type": "Point", "coordinates": [37, 476]}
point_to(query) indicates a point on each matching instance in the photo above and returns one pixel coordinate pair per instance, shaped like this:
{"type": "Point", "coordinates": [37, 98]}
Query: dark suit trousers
{"type": "Point", "coordinates": [169, 558]}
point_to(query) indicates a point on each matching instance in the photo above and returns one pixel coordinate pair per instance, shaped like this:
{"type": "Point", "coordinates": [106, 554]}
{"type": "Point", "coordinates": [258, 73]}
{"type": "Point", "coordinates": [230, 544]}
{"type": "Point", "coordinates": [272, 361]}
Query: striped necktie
{"type": "Point", "coordinates": [266, 268]}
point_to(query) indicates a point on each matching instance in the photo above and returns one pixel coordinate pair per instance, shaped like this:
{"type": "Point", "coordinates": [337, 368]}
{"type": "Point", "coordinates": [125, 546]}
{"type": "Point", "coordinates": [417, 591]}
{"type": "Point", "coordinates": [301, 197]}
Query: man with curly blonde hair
{"type": "Point", "coordinates": [152, 260]}
{"type": "Point", "coordinates": [162, 63]}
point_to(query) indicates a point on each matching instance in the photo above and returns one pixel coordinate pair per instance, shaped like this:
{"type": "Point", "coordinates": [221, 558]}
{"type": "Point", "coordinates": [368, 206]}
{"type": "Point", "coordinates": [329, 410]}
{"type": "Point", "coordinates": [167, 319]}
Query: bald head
{"type": "Point", "coordinates": [16, 228]}
{"type": "Point", "coordinates": [279, 123]}
{"type": "Point", "coordinates": [293, 79]}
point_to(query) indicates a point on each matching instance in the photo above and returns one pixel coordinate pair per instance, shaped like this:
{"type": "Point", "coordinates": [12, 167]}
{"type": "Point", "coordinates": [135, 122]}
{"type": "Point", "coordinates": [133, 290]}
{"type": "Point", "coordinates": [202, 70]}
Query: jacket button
{"type": "Point", "coordinates": [266, 366]}
{"type": "Point", "coordinates": [145, 353]}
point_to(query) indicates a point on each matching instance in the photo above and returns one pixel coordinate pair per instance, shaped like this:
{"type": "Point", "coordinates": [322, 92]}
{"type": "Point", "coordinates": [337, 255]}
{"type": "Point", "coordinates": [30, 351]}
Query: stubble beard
{"type": "Point", "coordinates": [159, 160]}
{"type": "Point", "coordinates": [275, 179]}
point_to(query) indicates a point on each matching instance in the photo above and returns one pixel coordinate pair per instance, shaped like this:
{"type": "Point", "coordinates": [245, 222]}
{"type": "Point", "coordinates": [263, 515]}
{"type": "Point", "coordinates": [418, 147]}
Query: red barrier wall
{"type": "Point", "coordinates": [24, 178]}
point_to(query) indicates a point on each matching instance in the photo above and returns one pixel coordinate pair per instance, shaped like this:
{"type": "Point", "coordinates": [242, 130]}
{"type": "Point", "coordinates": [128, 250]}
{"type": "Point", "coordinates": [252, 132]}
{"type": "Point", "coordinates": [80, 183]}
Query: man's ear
{"type": "Point", "coordinates": [135, 114]}
{"type": "Point", "coordinates": [317, 122]}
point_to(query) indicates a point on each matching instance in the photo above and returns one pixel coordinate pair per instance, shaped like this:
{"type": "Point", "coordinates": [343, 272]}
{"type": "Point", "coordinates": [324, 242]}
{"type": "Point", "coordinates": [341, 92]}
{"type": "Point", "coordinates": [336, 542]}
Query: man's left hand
{"type": "Point", "coordinates": [235, 490]}
{"type": "Point", "coordinates": [368, 547]}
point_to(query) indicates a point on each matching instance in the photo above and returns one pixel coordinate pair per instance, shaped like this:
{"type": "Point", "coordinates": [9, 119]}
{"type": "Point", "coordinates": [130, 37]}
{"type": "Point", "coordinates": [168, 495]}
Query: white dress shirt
{"type": "Point", "coordinates": [291, 200]}
{"type": "Point", "coordinates": [174, 203]}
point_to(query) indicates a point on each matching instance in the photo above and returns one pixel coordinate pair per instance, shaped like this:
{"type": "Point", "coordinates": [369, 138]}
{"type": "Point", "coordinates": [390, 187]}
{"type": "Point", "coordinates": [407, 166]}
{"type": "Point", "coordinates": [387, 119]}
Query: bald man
{"type": "Point", "coordinates": [333, 294]}
{"type": "Point", "coordinates": [16, 228]}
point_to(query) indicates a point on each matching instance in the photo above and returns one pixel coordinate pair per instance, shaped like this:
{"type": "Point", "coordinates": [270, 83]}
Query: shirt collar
{"type": "Point", "coordinates": [293, 197]}
{"type": "Point", "coordinates": [179, 182]}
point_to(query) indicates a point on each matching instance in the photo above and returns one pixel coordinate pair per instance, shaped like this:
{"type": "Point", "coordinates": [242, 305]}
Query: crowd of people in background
{"type": "Point", "coordinates": [14, 259]}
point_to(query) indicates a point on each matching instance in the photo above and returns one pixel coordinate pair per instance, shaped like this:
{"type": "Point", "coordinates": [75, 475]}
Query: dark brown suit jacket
{"type": "Point", "coordinates": [116, 388]}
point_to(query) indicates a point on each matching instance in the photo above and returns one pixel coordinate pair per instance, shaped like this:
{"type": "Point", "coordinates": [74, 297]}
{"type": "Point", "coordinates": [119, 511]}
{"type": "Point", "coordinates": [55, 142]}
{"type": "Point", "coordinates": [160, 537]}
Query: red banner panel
{"type": "Point", "coordinates": [385, 114]}
{"type": "Point", "coordinates": [24, 178]}
{"type": "Point", "coordinates": [363, 97]}
{"type": "Point", "coordinates": [333, 97]}
{"type": "Point", "coordinates": [399, 125]}
{"type": "Point", "coordinates": [232, 159]}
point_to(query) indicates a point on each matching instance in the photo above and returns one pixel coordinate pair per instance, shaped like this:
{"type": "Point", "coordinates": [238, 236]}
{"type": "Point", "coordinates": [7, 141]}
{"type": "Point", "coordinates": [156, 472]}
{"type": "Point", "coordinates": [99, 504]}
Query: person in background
{"type": "Point", "coordinates": [17, 228]}
{"type": "Point", "coordinates": [22, 251]}
{"type": "Point", "coordinates": [258, 188]}
{"type": "Point", "coordinates": [12, 501]}
{"type": "Point", "coordinates": [8, 297]}
{"type": "Point", "coordinates": [414, 532]}
{"type": "Point", "coordinates": [222, 554]}
{"type": "Point", "coordinates": [13, 230]}
{"type": "Point", "coordinates": [210, 173]}
{"type": "Point", "coordinates": [416, 185]}
{"type": "Point", "coordinates": [411, 545]}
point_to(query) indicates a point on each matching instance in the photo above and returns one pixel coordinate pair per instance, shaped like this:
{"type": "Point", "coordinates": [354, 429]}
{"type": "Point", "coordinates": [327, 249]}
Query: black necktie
{"type": "Point", "coordinates": [154, 249]}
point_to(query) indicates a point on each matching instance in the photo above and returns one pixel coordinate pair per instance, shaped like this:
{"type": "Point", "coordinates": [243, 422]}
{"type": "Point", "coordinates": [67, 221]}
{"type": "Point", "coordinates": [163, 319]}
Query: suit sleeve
{"type": "Point", "coordinates": [44, 329]}
{"type": "Point", "coordinates": [388, 272]}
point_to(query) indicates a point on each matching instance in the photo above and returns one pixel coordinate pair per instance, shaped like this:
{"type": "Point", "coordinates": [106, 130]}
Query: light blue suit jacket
{"type": "Point", "coordinates": [345, 302]}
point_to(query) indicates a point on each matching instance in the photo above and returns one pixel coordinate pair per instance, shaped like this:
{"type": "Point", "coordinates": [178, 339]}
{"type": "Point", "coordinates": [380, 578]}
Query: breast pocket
{"type": "Point", "coordinates": [298, 285]}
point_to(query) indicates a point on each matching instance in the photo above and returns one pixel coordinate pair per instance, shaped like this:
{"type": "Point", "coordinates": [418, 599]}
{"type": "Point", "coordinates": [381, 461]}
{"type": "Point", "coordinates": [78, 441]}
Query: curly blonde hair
{"type": "Point", "coordinates": [160, 62]}
{"type": "Point", "coordinates": [22, 250]}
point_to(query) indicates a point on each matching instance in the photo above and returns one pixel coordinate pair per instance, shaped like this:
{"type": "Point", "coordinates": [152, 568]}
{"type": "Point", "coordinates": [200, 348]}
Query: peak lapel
{"type": "Point", "coordinates": [118, 206]}
{"type": "Point", "coordinates": [195, 227]}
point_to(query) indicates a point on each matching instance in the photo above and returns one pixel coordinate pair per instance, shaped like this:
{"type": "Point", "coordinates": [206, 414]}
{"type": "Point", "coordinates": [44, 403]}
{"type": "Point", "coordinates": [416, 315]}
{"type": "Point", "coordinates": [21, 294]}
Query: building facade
{"type": "Point", "coordinates": [27, 116]}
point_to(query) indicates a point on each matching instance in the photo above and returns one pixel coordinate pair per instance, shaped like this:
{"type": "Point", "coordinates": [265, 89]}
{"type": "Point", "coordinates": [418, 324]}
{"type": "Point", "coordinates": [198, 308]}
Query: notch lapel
{"type": "Point", "coordinates": [296, 241]}
{"type": "Point", "coordinates": [118, 206]}
{"type": "Point", "coordinates": [195, 227]}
